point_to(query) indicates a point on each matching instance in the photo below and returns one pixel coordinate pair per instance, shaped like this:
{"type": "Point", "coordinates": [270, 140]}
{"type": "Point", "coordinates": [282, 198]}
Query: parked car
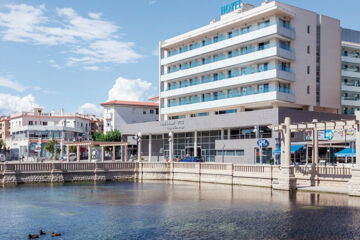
{"type": "Point", "coordinates": [72, 157]}
{"type": "Point", "coordinates": [191, 159]}
{"type": "Point", "coordinates": [2, 158]}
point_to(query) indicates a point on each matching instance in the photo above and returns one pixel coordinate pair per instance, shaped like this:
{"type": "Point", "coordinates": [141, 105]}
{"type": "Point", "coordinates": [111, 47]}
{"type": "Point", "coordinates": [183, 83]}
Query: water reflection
{"type": "Point", "coordinates": [176, 210]}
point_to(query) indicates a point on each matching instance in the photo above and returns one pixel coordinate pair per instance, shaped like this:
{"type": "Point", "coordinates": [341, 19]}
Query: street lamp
{"type": "Point", "coordinates": [139, 135]}
{"type": "Point", "coordinates": [171, 135]}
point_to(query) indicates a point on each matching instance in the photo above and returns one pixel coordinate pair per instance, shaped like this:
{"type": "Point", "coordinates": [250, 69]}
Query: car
{"type": "Point", "coordinates": [191, 159]}
{"type": "Point", "coordinates": [72, 157]}
{"type": "Point", "coordinates": [2, 158]}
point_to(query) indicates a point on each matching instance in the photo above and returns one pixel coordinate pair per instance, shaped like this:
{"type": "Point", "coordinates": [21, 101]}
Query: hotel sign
{"type": "Point", "coordinates": [230, 7]}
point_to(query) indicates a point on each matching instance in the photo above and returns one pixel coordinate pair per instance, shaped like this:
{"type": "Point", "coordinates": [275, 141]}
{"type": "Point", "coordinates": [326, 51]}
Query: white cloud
{"type": "Point", "coordinates": [91, 68]}
{"type": "Point", "coordinates": [6, 82]}
{"type": "Point", "coordinates": [54, 64]}
{"type": "Point", "coordinates": [132, 90]}
{"type": "Point", "coordinates": [105, 51]}
{"type": "Point", "coordinates": [95, 15]}
{"type": "Point", "coordinates": [90, 39]}
{"type": "Point", "coordinates": [151, 2]}
{"type": "Point", "coordinates": [91, 109]}
{"type": "Point", "coordinates": [12, 104]}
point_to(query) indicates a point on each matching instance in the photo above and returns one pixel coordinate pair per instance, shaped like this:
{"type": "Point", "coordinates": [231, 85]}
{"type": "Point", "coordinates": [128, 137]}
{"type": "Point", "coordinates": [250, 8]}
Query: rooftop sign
{"type": "Point", "coordinates": [230, 7]}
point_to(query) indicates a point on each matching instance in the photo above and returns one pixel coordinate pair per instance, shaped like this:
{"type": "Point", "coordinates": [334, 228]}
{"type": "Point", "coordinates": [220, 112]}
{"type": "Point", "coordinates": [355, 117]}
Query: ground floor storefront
{"type": "Point", "coordinates": [242, 138]}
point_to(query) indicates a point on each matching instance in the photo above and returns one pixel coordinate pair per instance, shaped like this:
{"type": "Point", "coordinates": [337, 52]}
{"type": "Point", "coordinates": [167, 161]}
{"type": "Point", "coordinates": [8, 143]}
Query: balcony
{"type": "Point", "coordinates": [228, 100]}
{"type": "Point", "coordinates": [350, 87]}
{"type": "Point", "coordinates": [274, 72]}
{"type": "Point", "coordinates": [223, 41]}
{"type": "Point", "coordinates": [251, 55]}
{"type": "Point", "coordinates": [353, 73]}
{"type": "Point", "coordinates": [350, 59]}
{"type": "Point", "coordinates": [350, 101]}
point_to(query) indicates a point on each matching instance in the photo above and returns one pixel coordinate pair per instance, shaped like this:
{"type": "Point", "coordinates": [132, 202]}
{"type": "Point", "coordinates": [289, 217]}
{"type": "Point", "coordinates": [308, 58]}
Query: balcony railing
{"type": "Point", "coordinates": [222, 76]}
{"type": "Point", "coordinates": [222, 37]}
{"type": "Point", "coordinates": [350, 98]}
{"type": "Point", "coordinates": [235, 53]}
{"type": "Point", "coordinates": [232, 95]}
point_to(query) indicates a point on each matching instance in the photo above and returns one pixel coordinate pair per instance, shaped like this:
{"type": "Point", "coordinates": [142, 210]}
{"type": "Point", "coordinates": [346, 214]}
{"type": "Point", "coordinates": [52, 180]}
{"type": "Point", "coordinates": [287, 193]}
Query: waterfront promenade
{"type": "Point", "coordinates": [308, 178]}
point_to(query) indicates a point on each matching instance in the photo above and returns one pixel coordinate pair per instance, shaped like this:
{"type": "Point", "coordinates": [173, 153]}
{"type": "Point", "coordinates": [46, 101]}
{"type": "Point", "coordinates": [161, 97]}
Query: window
{"type": "Point", "coordinates": [308, 69]}
{"type": "Point", "coordinates": [308, 49]}
{"type": "Point", "coordinates": [308, 29]}
{"type": "Point", "coordinates": [308, 89]}
{"type": "Point", "coordinates": [45, 123]}
{"type": "Point", "coordinates": [263, 45]}
{"type": "Point", "coordinates": [229, 34]}
{"type": "Point", "coordinates": [230, 54]}
{"type": "Point", "coordinates": [144, 112]}
{"type": "Point", "coordinates": [151, 111]}
{"type": "Point", "coordinates": [31, 123]}
{"type": "Point", "coordinates": [216, 39]}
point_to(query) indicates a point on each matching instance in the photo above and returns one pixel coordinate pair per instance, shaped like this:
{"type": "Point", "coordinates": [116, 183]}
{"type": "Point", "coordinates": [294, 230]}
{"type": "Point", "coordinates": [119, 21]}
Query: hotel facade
{"type": "Point", "coordinates": [223, 84]}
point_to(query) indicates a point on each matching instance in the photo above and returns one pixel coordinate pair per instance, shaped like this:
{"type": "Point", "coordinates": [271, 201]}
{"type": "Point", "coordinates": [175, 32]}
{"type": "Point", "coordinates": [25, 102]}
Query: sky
{"type": "Point", "coordinates": [75, 55]}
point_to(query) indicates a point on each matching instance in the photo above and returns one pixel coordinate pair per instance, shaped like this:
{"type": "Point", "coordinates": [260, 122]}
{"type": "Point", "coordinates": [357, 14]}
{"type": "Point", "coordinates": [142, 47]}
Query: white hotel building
{"type": "Point", "coordinates": [350, 71]}
{"type": "Point", "coordinates": [221, 85]}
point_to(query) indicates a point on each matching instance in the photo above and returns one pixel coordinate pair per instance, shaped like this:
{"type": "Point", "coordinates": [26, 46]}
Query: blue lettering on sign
{"type": "Point", "coordinates": [230, 7]}
{"type": "Point", "coordinates": [263, 143]}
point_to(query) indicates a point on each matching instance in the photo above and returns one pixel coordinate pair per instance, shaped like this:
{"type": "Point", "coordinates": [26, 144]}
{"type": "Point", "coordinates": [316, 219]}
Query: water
{"type": "Point", "coordinates": [159, 210]}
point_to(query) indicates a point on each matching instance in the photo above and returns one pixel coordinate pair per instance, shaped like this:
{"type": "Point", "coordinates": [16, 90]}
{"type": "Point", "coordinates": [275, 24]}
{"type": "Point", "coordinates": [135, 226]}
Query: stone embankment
{"type": "Point", "coordinates": [250, 175]}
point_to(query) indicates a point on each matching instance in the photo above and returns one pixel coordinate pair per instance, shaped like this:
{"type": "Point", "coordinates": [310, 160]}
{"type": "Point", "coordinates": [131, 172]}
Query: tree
{"type": "Point", "coordinates": [2, 144]}
{"type": "Point", "coordinates": [112, 136]}
{"type": "Point", "coordinates": [50, 146]}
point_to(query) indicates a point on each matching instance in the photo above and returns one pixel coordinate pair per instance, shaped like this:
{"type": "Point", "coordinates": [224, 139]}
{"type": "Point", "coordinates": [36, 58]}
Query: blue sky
{"type": "Point", "coordinates": [76, 54]}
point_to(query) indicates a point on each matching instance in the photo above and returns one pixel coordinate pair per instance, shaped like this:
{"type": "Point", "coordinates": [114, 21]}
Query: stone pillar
{"type": "Point", "coordinates": [171, 147]}
{"type": "Point", "coordinates": [222, 134]}
{"type": "Point", "coordinates": [67, 153]}
{"type": "Point", "coordinates": [229, 133]}
{"type": "Point", "coordinates": [139, 149]}
{"type": "Point", "coordinates": [126, 159]}
{"type": "Point", "coordinates": [287, 142]}
{"type": "Point", "coordinates": [122, 153]}
{"type": "Point", "coordinates": [282, 144]}
{"type": "Point", "coordinates": [354, 182]}
{"type": "Point", "coordinates": [78, 153]}
{"type": "Point", "coordinates": [150, 147]}
{"type": "Point", "coordinates": [195, 144]}
{"type": "Point", "coordinates": [315, 149]}
{"type": "Point", "coordinates": [286, 180]}
{"type": "Point", "coordinates": [89, 153]}
{"type": "Point", "coordinates": [102, 153]}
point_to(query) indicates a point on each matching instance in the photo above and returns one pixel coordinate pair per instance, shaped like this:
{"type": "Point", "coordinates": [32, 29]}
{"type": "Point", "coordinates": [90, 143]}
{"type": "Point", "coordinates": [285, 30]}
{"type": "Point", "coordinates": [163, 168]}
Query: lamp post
{"type": "Point", "coordinates": [139, 135]}
{"type": "Point", "coordinates": [171, 135]}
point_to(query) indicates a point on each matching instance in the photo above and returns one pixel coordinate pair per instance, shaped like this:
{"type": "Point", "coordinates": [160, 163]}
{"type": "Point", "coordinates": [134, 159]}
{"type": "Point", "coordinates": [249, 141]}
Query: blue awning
{"type": "Point", "coordinates": [347, 152]}
{"type": "Point", "coordinates": [294, 149]}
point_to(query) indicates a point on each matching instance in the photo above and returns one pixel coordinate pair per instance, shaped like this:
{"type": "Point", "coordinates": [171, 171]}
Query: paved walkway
{"type": "Point", "coordinates": [323, 189]}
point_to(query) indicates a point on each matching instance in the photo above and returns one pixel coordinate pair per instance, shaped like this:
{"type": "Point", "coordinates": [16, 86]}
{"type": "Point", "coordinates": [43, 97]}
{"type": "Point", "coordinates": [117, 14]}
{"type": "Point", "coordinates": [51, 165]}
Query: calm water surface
{"type": "Point", "coordinates": [159, 210]}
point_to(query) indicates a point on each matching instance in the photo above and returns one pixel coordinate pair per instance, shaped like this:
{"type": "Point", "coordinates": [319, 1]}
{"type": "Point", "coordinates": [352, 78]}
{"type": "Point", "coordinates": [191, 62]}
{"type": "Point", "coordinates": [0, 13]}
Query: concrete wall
{"type": "Point", "coordinates": [330, 62]}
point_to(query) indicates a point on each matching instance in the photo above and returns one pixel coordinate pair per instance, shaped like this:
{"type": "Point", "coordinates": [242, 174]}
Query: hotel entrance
{"type": "Point", "coordinates": [190, 151]}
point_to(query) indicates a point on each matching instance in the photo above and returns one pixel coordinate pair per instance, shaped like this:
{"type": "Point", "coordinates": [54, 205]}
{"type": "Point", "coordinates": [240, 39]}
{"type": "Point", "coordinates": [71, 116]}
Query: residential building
{"type": "Point", "coordinates": [118, 114]}
{"type": "Point", "coordinates": [30, 131]}
{"type": "Point", "coordinates": [5, 129]}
